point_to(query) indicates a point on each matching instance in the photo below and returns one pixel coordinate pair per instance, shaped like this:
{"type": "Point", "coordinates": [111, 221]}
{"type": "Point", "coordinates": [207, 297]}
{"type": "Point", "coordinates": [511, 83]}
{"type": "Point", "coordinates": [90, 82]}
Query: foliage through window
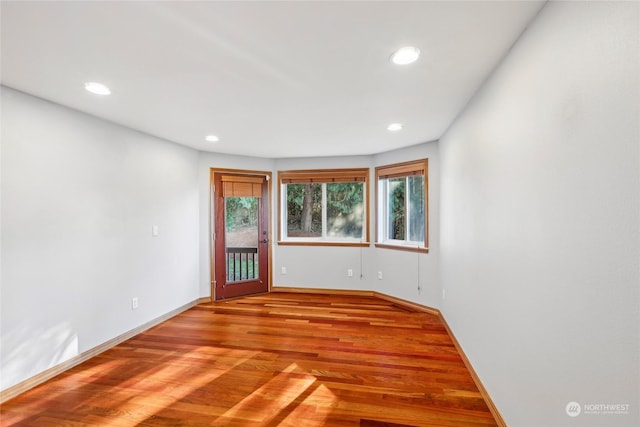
{"type": "Point", "coordinates": [324, 206]}
{"type": "Point", "coordinates": [402, 205]}
{"type": "Point", "coordinates": [241, 212]}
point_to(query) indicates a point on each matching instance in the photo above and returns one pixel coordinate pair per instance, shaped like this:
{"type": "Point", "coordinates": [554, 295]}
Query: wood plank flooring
{"type": "Point", "coordinates": [278, 359]}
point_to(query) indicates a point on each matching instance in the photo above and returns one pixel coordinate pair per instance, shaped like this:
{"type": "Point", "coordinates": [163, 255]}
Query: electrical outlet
{"type": "Point", "coordinates": [283, 270]}
{"type": "Point", "coordinates": [154, 230]}
{"type": "Point", "coordinates": [350, 272]}
{"type": "Point", "coordinates": [134, 303]}
{"type": "Point", "coordinates": [444, 294]}
{"type": "Point", "coordinates": [379, 275]}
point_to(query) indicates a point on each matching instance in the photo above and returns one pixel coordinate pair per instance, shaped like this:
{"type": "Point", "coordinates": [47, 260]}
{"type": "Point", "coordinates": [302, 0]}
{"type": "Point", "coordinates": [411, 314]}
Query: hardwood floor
{"type": "Point", "coordinates": [279, 359]}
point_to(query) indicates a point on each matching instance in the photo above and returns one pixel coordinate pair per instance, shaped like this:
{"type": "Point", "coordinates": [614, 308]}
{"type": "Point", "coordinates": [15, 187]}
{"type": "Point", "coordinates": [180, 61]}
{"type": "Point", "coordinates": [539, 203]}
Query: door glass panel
{"type": "Point", "coordinates": [241, 238]}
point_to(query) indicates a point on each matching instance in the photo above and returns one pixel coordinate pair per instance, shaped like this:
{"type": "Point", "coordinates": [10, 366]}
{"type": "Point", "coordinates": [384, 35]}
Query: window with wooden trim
{"type": "Point", "coordinates": [325, 207]}
{"type": "Point", "coordinates": [402, 202]}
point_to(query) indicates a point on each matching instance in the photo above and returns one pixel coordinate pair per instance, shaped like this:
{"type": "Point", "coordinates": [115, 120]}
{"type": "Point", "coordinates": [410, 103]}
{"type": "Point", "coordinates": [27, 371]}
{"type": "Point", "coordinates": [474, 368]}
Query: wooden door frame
{"type": "Point", "coordinates": [212, 223]}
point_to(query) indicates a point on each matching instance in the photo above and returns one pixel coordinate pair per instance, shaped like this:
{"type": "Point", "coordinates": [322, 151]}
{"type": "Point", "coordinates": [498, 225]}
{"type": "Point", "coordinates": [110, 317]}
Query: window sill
{"type": "Point", "coordinates": [402, 248]}
{"type": "Point", "coordinates": [321, 243]}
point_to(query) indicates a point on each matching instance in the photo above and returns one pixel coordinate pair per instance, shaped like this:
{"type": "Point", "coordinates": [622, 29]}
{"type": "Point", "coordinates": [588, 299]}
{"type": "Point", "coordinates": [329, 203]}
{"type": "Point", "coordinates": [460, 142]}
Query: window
{"type": "Point", "coordinates": [401, 196]}
{"type": "Point", "coordinates": [324, 207]}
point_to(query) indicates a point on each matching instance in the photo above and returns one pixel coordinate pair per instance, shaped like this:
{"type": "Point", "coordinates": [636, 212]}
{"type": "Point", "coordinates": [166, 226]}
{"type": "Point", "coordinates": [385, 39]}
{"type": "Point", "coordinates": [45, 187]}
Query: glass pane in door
{"type": "Point", "coordinates": [241, 238]}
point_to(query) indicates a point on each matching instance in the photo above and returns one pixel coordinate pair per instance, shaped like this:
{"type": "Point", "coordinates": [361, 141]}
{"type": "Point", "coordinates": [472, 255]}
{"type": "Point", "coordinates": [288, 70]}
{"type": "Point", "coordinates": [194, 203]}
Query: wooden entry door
{"type": "Point", "coordinates": [241, 236]}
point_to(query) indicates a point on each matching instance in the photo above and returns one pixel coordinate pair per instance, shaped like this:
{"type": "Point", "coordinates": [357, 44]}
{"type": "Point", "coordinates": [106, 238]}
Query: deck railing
{"type": "Point", "coordinates": [242, 264]}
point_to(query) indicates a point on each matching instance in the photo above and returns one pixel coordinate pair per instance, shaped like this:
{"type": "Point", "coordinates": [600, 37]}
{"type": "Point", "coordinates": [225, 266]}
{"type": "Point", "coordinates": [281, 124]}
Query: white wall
{"type": "Point", "coordinates": [540, 219]}
{"type": "Point", "coordinates": [79, 198]}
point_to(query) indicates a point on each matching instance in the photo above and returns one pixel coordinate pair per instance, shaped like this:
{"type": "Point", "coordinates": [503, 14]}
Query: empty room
{"type": "Point", "coordinates": [320, 213]}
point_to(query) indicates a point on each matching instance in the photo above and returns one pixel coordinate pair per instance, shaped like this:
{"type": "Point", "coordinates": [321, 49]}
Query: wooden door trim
{"type": "Point", "coordinates": [212, 224]}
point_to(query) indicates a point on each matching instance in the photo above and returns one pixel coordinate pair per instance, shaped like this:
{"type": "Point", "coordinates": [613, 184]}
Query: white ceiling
{"type": "Point", "coordinates": [271, 79]}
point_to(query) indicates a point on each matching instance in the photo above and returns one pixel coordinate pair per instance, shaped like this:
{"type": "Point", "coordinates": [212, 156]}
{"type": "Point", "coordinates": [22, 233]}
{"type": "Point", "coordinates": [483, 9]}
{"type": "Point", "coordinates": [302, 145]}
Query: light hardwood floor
{"type": "Point", "coordinates": [280, 359]}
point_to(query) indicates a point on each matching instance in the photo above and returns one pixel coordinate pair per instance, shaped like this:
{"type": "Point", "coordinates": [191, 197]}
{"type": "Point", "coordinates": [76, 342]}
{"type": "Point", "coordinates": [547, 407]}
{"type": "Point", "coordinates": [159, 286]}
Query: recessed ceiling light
{"type": "Point", "coordinates": [212, 138]}
{"type": "Point", "coordinates": [406, 55]}
{"type": "Point", "coordinates": [394, 127]}
{"type": "Point", "coordinates": [97, 88]}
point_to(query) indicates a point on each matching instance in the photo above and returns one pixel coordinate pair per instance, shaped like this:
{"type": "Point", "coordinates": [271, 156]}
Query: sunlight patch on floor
{"type": "Point", "coordinates": [276, 396]}
{"type": "Point", "coordinates": [180, 382]}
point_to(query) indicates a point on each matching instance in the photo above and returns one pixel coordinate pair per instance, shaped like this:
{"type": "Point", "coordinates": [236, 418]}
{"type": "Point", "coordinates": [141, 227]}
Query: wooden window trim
{"type": "Point", "coordinates": [402, 169]}
{"type": "Point", "coordinates": [323, 243]}
{"type": "Point", "coordinates": [398, 170]}
{"type": "Point", "coordinates": [402, 247]}
{"type": "Point", "coordinates": [320, 176]}
{"type": "Point", "coordinates": [323, 176]}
